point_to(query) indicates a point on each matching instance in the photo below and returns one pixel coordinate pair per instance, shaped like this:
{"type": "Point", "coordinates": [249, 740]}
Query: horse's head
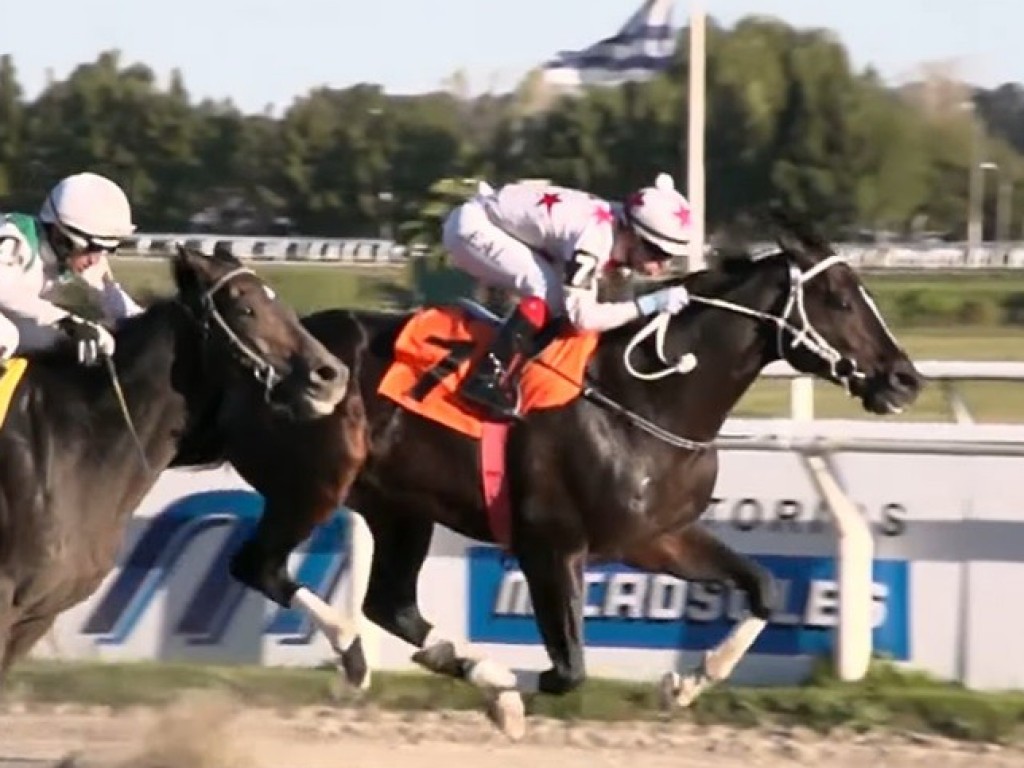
{"type": "Point", "coordinates": [839, 332]}
{"type": "Point", "coordinates": [246, 322]}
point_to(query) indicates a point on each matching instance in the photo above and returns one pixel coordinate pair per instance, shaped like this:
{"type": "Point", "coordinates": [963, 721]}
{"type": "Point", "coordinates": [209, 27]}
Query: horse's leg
{"type": "Point", "coordinates": [6, 620]}
{"type": "Point", "coordinates": [400, 546]}
{"type": "Point", "coordinates": [555, 580]}
{"type": "Point", "coordinates": [695, 555]}
{"type": "Point", "coordinates": [22, 638]}
{"type": "Point", "coordinates": [261, 564]}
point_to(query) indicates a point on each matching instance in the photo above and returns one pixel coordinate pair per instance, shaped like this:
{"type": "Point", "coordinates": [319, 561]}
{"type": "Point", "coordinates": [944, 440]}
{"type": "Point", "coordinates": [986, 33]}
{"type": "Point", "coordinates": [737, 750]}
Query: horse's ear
{"type": "Point", "coordinates": [794, 237]}
{"type": "Point", "coordinates": [222, 252]}
{"type": "Point", "coordinates": [191, 269]}
{"type": "Point", "coordinates": [795, 248]}
{"type": "Point", "coordinates": [731, 243]}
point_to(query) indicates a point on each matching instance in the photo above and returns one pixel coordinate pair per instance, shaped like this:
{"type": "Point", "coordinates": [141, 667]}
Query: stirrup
{"type": "Point", "coordinates": [493, 409]}
{"type": "Point", "coordinates": [484, 392]}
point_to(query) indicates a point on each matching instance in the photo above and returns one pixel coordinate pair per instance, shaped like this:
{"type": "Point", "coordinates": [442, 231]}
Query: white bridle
{"type": "Point", "coordinates": [262, 369]}
{"type": "Point", "coordinates": [805, 335]}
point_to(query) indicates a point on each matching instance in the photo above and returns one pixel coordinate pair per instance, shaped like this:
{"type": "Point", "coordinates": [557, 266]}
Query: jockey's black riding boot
{"type": "Point", "coordinates": [493, 382]}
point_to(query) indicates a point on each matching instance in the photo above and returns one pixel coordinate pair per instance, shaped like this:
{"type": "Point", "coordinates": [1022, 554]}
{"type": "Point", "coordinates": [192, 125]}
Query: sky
{"type": "Point", "coordinates": [260, 52]}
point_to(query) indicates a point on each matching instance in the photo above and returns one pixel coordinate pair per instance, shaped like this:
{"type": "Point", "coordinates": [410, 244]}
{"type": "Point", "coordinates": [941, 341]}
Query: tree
{"type": "Point", "coordinates": [788, 118]}
{"type": "Point", "coordinates": [12, 116]}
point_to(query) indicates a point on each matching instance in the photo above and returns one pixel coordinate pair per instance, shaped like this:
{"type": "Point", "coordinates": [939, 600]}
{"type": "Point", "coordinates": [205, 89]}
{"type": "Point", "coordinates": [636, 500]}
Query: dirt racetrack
{"type": "Point", "coordinates": [212, 732]}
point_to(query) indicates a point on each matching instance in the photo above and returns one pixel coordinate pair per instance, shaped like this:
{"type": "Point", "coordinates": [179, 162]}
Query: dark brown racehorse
{"type": "Point", "coordinates": [620, 474]}
{"type": "Point", "coordinates": [80, 447]}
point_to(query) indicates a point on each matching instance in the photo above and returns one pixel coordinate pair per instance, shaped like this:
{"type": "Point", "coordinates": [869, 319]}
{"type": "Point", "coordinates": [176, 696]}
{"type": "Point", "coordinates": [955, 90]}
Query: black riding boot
{"type": "Point", "coordinates": [493, 382]}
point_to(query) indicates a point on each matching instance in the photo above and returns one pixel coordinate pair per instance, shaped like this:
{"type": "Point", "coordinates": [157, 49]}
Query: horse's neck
{"type": "Point", "coordinates": [731, 350]}
{"type": "Point", "coordinates": [144, 360]}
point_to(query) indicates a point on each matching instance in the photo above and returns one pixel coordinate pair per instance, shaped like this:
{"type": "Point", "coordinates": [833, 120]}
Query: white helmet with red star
{"type": "Point", "coordinates": [661, 216]}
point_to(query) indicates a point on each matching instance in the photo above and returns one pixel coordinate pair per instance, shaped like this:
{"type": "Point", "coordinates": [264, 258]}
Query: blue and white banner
{"type": "Point", "coordinates": [642, 48]}
{"type": "Point", "coordinates": [203, 614]}
{"type": "Point", "coordinates": [626, 608]}
{"type": "Point", "coordinates": [171, 596]}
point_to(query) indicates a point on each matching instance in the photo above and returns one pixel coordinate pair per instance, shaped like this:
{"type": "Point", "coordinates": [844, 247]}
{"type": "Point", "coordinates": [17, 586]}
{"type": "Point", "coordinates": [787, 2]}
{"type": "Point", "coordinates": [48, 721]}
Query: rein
{"type": "Point", "coordinates": [842, 368]}
{"type": "Point", "coordinates": [263, 371]}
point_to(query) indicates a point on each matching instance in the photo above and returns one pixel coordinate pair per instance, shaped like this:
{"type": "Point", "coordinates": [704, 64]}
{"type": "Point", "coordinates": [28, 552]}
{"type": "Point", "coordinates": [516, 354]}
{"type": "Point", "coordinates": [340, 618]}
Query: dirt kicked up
{"type": "Point", "coordinates": [211, 730]}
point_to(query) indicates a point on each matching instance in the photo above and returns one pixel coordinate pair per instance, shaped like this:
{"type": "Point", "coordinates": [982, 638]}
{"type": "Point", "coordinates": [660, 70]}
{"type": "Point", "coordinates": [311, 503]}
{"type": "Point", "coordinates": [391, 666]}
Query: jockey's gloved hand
{"type": "Point", "coordinates": [669, 300]}
{"type": "Point", "coordinates": [91, 338]}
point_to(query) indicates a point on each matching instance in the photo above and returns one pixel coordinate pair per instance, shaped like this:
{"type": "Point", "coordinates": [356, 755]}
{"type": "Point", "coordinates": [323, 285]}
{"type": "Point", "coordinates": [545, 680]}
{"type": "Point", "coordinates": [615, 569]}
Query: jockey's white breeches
{"type": "Point", "coordinates": [495, 258]}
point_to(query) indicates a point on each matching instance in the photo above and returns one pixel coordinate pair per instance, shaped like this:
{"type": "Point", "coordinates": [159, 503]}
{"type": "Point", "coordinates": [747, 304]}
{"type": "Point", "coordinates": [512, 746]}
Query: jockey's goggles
{"type": "Point", "coordinates": [653, 252]}
{"type": "Point", "coordinates": [82, 242]}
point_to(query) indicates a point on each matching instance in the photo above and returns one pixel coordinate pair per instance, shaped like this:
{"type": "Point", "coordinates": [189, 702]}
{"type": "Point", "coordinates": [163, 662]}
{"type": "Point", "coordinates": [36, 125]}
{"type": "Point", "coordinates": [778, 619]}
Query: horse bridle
{"type": "Point", "coordinates": [842, 368]}
{"type": "Point", "coordinates": [261, 368]}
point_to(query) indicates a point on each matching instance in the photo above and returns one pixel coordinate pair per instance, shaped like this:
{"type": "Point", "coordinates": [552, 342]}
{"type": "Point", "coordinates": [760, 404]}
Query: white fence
{"type": "Point", "coordinates": [948, 374]}
{"type": "Point", "coordinates": [379, 252]}
{"type": "Point", "coordinates": [309, 250]}
{"type": "Point", "coordinates": [905, 540]}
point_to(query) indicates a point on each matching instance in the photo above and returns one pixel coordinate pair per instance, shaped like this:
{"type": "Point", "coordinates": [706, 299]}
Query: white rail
{"type": "Point", "coordinates": [947, 373]}
{"type": "Point", "coordinates": [894, 256]}
{"type": "Point", "coordinates": [821, 446]}
{"type": "Point", "coordinates": [958, 370]}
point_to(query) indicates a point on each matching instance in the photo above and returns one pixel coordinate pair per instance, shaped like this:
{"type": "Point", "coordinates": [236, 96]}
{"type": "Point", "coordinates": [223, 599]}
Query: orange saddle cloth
{"type": "Point", "coordinates": [437, 347]}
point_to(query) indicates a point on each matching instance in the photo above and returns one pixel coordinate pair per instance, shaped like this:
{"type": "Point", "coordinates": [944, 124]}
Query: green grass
{"type": "Point", "coordinates": [988, 401]}
{"type": "Point", "coordinates": [308, 288]}
{"type": "Point", "coordinates": [886, 699]}
{"type": "Point", "coordinates": [978, 280]}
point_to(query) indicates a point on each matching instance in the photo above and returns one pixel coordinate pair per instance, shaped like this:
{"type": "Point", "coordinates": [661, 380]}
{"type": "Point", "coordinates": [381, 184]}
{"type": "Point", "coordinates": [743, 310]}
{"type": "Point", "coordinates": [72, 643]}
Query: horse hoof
{"type": "Point", "coordinates": [354, 667]}
{"type": "Point", "coordinates": [676, 691]}
{"type": "Point", "coordinates": [507, 711]}
{"type": "Point", "coordinates": [554, 682]}
{"type": "Point", "coordinates": [668, 691]}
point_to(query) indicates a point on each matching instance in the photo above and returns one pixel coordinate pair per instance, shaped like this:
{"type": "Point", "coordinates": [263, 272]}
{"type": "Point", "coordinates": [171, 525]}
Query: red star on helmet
{"type": "Point", "coordinates": [603, 214]}
{"type": "Point", "coordinates": [635, 200]}
{"type": "Point", "coordinates": [549, 200]}
{"type": "Point", "coordinates": [683, 214]}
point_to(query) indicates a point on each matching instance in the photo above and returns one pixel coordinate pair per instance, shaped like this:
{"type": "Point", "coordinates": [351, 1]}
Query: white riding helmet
{"type": "Point", "coordinates": [661, 216]}
{"type": "Point", "coordinates": [90, 209]}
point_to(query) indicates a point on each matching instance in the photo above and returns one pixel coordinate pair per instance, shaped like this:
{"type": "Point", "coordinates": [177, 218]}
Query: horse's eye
{"type": "Point", "coordinates": [840, 302]}
{"type": "Point", "coordinates": [248, 311]}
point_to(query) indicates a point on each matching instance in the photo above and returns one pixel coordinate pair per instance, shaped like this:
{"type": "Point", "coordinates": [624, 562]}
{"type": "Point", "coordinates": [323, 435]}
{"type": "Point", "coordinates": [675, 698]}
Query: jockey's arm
{"type": "Point", "coordinates": [18, 299]}
{"type": "Point", "coordinates": [116, 302]}
{"type": "Point", "coordinates": [589, 314]}
{"type": "Point", "coordinates": [113, 299]}
{"type": "Point", "coordinates": [581, 302]}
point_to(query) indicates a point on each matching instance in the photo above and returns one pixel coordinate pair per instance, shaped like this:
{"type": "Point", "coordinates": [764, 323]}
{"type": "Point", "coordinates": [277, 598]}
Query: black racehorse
{"type": "Point", "coordinates": [80, 447]}
{"type": "Point", "coordinates": [621, 474]}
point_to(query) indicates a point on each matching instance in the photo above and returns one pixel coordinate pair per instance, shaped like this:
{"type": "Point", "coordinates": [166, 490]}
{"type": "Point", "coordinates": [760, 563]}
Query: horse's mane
{"type": "Point", "coordinates": [733, 257]}
{"type": "Point", "coordinates": [727, 269]}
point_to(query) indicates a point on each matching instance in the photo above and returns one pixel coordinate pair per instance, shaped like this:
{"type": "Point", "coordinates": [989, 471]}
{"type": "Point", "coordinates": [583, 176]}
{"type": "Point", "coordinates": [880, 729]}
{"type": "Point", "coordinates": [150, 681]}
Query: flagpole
{"type": "Point", "coordinates": [695, 142]}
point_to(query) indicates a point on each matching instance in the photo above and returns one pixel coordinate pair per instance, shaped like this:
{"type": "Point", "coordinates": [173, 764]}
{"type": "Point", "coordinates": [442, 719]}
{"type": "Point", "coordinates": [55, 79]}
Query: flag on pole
{"type": "Point", "coordinates": [643, 47]}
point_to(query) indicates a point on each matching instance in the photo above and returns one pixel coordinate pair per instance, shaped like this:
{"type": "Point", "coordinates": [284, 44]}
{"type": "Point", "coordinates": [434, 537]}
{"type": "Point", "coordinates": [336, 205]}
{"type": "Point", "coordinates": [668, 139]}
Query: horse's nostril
{"type": "Point", "coordinates": [903, 380]}
{"type": "Point", "coordinates": [325, 373]}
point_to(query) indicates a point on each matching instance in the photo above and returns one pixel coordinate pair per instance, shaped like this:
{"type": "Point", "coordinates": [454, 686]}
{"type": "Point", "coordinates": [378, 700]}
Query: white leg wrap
{"type": "Point", "coordinates": [340, 633]}
{"type": "Point", "coordinates": [505, 706]}
{"type": "Point", "coordinates": [718, 664]}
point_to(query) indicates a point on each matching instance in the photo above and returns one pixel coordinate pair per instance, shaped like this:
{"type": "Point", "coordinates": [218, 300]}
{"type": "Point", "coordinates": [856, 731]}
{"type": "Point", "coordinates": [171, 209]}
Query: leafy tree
{"type": "Point", "coordinates": [788, 118]}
